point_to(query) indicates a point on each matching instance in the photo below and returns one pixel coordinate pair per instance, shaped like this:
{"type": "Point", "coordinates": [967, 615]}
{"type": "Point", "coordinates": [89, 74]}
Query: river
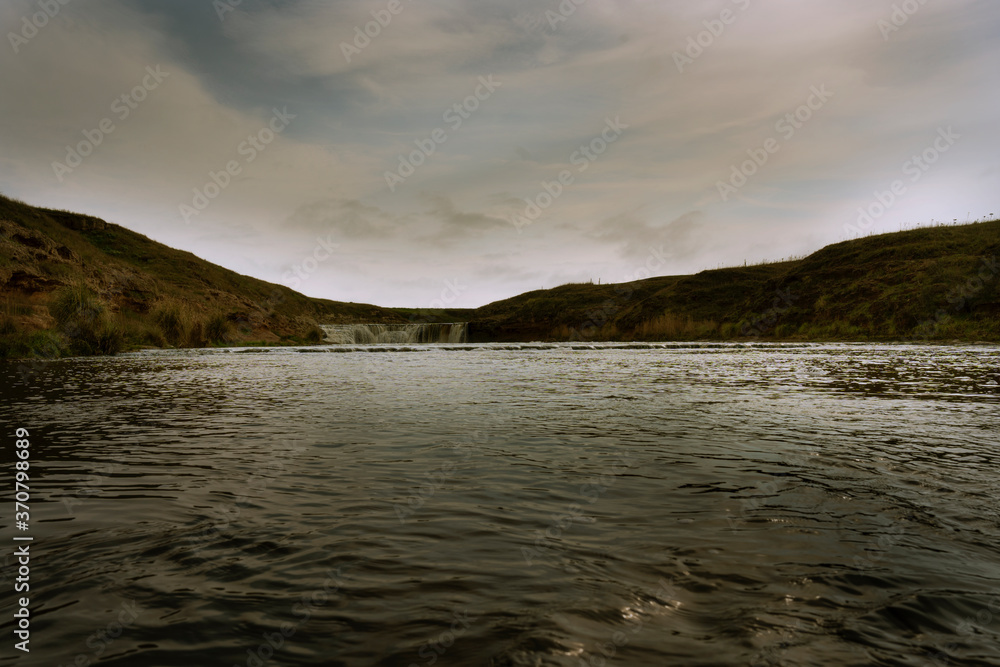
{"type": "Point", "coordinates": [700, 504]}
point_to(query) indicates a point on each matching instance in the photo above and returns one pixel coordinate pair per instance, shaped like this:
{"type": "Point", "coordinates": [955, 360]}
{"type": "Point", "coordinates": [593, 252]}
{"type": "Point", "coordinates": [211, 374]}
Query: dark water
{"type": "Point", "coordinates": [700, 505]}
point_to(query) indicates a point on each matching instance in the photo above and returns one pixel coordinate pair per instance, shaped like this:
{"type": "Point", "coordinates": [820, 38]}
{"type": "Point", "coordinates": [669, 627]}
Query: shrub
{"type": "Point", "coordinates": [153, 336]}
{"type": "Point", "coordinates": [75, 304]}
{"type": "Point", "coordinates": [784, 330]}
{"type": "Point", "coordinates": [313, 334]}
{"type": "Point", "coordinates": [218, 329]}
{"type": "Point", "coordinates": [83, 319]}
{"type": "Point", "coordinates": [196, 336]}
{"type": "Point", "coordinates": [35, 345]}
{"type": "Point", "coordinates": [670, 326]}
{"type": "Point", "coordinates": [170, 319]}
{"type": "Point", "coordinates": [110, 339]}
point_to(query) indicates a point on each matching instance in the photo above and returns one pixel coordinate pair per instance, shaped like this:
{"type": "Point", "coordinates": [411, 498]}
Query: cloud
{"type": "Point", "coordinates": [656, 185]}
{"type": "Point", "coordinates": [347, 218]}
{"type": "Point", "coordinates": [455, 223]}
{"type": "Point", "coordinates": [635, 237]}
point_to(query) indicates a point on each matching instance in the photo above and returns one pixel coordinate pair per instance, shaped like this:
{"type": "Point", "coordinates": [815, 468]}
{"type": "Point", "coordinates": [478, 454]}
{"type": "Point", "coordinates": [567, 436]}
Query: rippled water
{"type": "Point", "coordinates": [512, 505]}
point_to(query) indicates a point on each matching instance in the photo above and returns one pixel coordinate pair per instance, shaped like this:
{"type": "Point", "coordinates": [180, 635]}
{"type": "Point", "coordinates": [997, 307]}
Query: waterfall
{"type": "Point", "coordinates": [371, 334]}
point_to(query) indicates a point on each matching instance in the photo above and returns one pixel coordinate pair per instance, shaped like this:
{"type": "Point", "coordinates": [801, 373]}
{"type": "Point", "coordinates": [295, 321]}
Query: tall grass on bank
{"type": "Point", "coordinates": [85, 322]}
{"type": "Point", "coordinates": [172, 320]}
{"type": "Point", "coordinates": [18, 343]}
{"type": "Point", "coordinates": [670, 326]}
{"type": "Point", "coordinates": [218, 329]}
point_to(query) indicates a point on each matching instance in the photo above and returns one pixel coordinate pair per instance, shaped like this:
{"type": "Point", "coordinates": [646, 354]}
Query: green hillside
{"type": "Point", "coordinates": [77, 284]}
{"type": "Point", "coordinates": [935, 284]}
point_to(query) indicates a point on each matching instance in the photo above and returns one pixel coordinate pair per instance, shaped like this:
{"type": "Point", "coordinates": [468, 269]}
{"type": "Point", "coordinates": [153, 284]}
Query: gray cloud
{"type": "Point", "coordinates": [657, 184]}
{"type": "Point", "coordinates": [350, 219]}
{"type": "Point", "coordinates": [636, 237]}
{"type": "Point", "coordinates": [455, 223]}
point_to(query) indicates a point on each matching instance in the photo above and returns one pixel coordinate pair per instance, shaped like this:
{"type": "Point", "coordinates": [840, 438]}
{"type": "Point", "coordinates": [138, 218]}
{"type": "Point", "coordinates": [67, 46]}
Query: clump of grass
{"type": "Point", "coordinates": [313, 334]}
{"type": "Point", "coordinates": [152, 335]}
{"type": "Point", "coordinates": [83, 318]}
{"type": "Point", "coordinates": [196, 335]}
{"type": "Point", "coordinates": [76, 304]}
{"type": "Point", "coordinates": [138, 330]}
{"type": "Point", "coordinates": [171, 320]}
{"type": "Point", "coordinates": [110, 339]}
{"type": "Point", "coordinates": [670, 326]}
{"type": "Point", "coordinates": [32, 345]}
{"type": "Point", "coordinates": [728, 330]}
{"type": "Point", "coordinates": [218, 329]}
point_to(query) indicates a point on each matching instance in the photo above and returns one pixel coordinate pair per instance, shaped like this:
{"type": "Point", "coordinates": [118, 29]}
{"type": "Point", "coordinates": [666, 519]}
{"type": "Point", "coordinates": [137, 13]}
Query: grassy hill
{"type": "Point", "coordinates": [72, 283]}
{"type": "Point", "coordinates": [935, 283]}
{"type": "Point", "coordinates": [75, 284]}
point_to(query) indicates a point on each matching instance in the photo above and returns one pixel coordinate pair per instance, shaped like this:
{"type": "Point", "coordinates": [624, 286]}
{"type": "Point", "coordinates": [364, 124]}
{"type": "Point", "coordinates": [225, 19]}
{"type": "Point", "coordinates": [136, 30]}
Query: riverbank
{"type": "Point", "coordinates": [75, 285]}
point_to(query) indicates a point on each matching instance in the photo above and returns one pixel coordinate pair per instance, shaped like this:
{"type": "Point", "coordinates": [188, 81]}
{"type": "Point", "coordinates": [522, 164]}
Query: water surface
{"type": "Point", "coordinates": [513, 505]}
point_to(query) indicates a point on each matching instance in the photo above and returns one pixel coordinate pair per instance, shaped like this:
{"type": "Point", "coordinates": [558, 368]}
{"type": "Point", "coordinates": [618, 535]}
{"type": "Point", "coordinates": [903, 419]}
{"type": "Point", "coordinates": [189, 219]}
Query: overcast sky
{"type": "Point", "coordinates": [632, 126]}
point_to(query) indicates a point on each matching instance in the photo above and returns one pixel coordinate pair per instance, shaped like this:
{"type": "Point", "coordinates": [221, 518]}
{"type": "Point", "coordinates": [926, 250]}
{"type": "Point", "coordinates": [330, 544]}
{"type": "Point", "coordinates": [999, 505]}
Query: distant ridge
{"type": "Point", "coordinates": [139, 285]}
{"type": "Point", "coordinates": [76, 284]}
{"type": "Point", "coordinates": [926, 284]}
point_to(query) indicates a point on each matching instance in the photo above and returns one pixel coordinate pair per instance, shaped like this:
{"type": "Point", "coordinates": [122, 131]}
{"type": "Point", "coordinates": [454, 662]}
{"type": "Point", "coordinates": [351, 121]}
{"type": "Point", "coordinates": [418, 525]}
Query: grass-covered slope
{"type": "Point", "coordinates": [934, 283]}
{"type": "Point", "coordinates": [75, 284]}
{"type": "Point", "coordinates": [129, 290]}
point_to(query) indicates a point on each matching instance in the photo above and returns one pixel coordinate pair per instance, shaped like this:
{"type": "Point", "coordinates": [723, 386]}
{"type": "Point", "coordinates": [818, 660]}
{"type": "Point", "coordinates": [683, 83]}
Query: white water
{"type": "Point", "coordinates": [370, 334]}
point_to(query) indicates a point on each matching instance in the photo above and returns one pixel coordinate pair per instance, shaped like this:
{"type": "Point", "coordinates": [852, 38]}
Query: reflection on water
{"type": "Point", "coordinates": [514, 505]}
